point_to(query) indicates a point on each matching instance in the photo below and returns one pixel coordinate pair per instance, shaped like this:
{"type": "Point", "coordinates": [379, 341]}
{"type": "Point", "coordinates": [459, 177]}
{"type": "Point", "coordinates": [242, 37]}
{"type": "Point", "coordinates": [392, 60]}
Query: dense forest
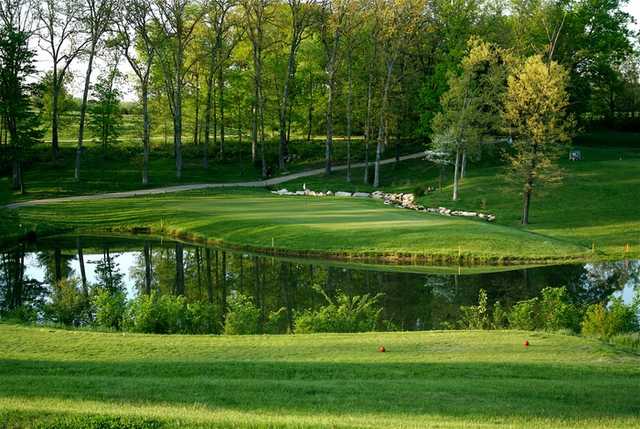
{"type": "Point", "coordinates": [209, 74]}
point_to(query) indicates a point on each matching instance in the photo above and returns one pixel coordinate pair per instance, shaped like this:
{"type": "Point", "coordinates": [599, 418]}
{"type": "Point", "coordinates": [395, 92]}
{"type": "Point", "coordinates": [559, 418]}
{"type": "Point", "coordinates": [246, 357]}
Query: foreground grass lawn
{"type": "Point", "coordinates": [426, 379]}
{"type": "Point", "coordinates": [340, 227]}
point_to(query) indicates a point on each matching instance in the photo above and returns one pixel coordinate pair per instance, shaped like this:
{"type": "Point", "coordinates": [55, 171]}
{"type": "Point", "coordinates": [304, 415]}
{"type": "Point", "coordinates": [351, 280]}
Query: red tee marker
{"type": "Point", "coordinates": [381, 349]}
{"type": "Point", "coordinates": [526, 343]}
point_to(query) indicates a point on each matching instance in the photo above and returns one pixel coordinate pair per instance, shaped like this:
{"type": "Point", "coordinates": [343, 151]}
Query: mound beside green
{"type": "Point", "coordinates": [425, 379]}
{"type": "Point", "coordinates": [332, 227]}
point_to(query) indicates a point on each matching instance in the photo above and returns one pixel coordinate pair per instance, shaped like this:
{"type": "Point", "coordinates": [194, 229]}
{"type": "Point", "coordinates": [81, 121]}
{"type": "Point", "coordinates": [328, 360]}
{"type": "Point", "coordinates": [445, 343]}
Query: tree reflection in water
{"type": "Point", "coordinates": [411, 301]}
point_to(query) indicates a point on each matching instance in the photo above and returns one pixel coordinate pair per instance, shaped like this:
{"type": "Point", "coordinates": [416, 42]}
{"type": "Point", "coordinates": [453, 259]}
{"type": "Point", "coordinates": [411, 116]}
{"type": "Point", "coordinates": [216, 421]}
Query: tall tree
{"type": "Point", "coordinates": [61, 38]}
{"type": "Point", "coordinates": [301, 18]}
{"type": "Point", "coordinates": [535, 111]}
{"type": "Point", "coordinates": [335, 19]}
{"type": "Point", "coordinates": [176, 20]}
{"type": "Point", "coordinates": [97, 20]}
{"type": "Point", "coordinates": [136, 43]}
{"type": "Point", "coordinates": [471, 105]}
{"type": "Point", "coordinates": [16, 67]}
{"type": "Point", "coordinates": [222, 34]}
{"type": "Point", "coordinates": [399, 23]}
{"type": "Point", "coordinates": [105, 121]}
{"type": "Point", "coordinates": [256, 17]}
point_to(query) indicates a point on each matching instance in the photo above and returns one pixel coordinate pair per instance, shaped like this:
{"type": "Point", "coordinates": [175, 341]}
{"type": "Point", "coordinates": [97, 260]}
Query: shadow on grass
{"type": "Point", "coordinates": [472, 389]}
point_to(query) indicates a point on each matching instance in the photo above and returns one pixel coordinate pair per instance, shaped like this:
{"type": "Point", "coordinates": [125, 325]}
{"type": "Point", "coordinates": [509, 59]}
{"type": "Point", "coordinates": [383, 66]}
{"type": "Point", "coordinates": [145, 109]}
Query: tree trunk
{"type": "Point", "coordinates": [147, 268]}
{"type": "Point", "coordinates": [179, 269]}
{"type": "Point", "coordinates": [284, 104]}
{"type": "Point", "coordinates": [207, 119]}
{"type": "Point", "coordinates": [349, 113]}
{"type": "Point", "coordinates": [526, 203]}
{"type": "Point", "coordinates": [207, 255]}
{"type": "Point", "coordinates": [83, 109]}
{"type": "Point", "coordinates": [310, 113]}
{"type": "Point", "coordinates": [177, 121]}
{"type": "Point", "coordinates": [456, 175]}
{"type": "Point", "coordinates": [83, 274]}
{"type": "Point", "coordinates": [254, 125]}
{"type": "Point", "coordinates": [146, 132]}
{"type": "Point", "coordinates": [196, 125]}
{"type": "Point", "coordinates": [329, 141]}
{"type": "Point", "coordinates": [17, 182]}
{"type": "Point", "coordinates": [367, 130]}
{"type": "Point", "coordinates": [382, 132]}
{"type": "Point", "coordinates": [463, 164]}
{"type": "Point", "coordinates": [221, 107]}
{"type": "Point", "coordinates": [55, 95]}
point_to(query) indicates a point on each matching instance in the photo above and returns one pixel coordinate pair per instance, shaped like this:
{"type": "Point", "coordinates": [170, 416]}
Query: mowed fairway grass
{"type": "Point", "coordinates": [340, 227]}
{"type": "Point", "coordinates": [446, 379]}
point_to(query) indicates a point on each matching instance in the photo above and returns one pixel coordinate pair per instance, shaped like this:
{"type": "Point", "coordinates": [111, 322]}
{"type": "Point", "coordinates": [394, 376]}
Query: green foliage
{"type": "Point", "coordinates": [105, 120]}
{"type": "Point", "coordinates": [201, 318]}
{"type": "Point", "coordinates": [476, 316]}
{"type": "Point", "coordinates": [524, 315]}
{"type": "Point", "coordinates": [536, 116]}
{"type": "Point", "coordinates": [606, 321]}
{"type": "Point", "coordinates": [277, 322]}
{"type": "Point", "coordinates": [360, 313]}
{"type": "Point", "coordinates": [500, 317]}
{"type": "Point", "coordinates": [154, 313]}
{"type": "Point", "coordinates": [556, 312]}
{"type": "Point", "coordinates": [108, 274]}
{"type": "Point", "coordinates": [242, 317]}
{"type": "Point", "coordinates": [69, 305]}
{"type": "Point", "coordinates": [109, 307]}
{"type": "Point", "coordinates": [629, 341]}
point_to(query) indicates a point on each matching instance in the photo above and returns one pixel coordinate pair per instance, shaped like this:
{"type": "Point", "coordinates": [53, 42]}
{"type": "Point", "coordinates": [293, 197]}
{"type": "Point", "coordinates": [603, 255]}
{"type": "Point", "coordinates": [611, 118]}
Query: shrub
{"type": "Point", "coordinates": [277, 322]}
{"type": "Point", "coordinates": [201, 318]}
{"type": "Point", "coordinates": [556, 312]}
{"type": "Point", "coordinates": [418, 191]}
{"type": "Point", "coordinates": [156, 314]}
{"type": "Point", "coordinates": [476, 316]}
{"type": "Point", "coordinates": [605, 322]}
{"type": "Point", "coordinates": [630, 341]}
{"type": "Point", "coordinates": [109, 307]}
{"type": "Point", "coordinates": [500, 316]}
{"type": "Point", "coordinates": [22, 314]}
{"type": "Point", "coordinates": [69, 305]}
{"type": "Point", "coordinates": [360, 313]}
{"type": "Point", "coordinates": [243, 316]}
{"type": "Point", "coordinates": [524, 315]}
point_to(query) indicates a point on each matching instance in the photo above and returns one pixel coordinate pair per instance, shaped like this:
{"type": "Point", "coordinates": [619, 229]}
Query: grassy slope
{"type": "Point", "coordinates": [448, 379]}
{"type": "Point", "coordinates": [596, 204]}
{"type": "Point", "coordinates": [305, 225]}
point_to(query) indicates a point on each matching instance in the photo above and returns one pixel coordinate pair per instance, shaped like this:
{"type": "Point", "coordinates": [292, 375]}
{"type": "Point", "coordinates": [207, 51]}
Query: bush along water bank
{"type": "Point", "coordinates": [106, 307]}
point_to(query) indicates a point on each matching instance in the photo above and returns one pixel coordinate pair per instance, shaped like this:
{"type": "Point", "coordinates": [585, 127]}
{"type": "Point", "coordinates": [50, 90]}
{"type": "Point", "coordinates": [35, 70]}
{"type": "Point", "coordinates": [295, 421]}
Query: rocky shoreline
{"type": "Point", "coordinates": [399, 200]}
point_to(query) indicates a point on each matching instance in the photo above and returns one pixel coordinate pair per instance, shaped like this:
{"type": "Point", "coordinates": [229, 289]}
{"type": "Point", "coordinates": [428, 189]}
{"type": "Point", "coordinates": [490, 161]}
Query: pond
{"type": "Point", "coordinates": [415, 297]}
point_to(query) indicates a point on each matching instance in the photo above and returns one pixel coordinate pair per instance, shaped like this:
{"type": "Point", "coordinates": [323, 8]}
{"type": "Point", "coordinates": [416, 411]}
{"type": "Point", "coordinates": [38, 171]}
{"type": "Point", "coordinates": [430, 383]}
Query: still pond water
{"type": "Point", "coordinates": [414, 297]}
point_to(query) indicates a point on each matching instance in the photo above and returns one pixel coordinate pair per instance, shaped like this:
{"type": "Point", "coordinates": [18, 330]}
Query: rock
{"type": "Point", "coordinates": [408, 199]}
{"type": "Point", "coordinates": [343, 194]}
{"type": "Point", "coordinates": [387, 202]}
{"type": "Point", "coordinates": [491, 218]}
{"type": "Point", "coordinates": [282, 192]}
{"type": "Point", "coordinates": [300, 193]}
{"type": "Point", "coordinates": [361, 194]}
{"type": "Point", "coordinates": [378, 195]}
{"type": "Point", "coordinates": [329, 193]}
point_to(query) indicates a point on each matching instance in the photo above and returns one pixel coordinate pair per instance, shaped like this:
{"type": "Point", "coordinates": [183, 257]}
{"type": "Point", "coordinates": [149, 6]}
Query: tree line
{"type": "Point", "coordinates": [386, 70]}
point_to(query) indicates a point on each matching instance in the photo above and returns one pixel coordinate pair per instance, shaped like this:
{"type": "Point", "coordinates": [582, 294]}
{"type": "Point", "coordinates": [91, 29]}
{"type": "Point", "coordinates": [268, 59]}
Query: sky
{"type": "Point", "coordinates": [78, 68]}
